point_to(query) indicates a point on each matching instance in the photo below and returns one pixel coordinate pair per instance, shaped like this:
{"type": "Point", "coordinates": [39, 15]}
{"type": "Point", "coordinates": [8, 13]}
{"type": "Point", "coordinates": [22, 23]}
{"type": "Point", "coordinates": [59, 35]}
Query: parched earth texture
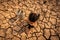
{"type": "Point", "coordinates": [13, 14]}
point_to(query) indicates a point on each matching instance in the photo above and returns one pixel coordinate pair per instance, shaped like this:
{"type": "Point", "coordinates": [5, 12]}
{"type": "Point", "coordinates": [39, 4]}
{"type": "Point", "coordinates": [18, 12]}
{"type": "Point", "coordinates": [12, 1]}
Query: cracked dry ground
{"type": "Point", "coordinates": [14, 12]}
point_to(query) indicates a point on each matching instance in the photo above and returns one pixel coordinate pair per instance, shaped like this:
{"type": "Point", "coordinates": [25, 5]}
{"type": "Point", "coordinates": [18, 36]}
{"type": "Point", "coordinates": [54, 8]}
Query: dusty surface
{"type": "Point", "coordinates": [48, 25]}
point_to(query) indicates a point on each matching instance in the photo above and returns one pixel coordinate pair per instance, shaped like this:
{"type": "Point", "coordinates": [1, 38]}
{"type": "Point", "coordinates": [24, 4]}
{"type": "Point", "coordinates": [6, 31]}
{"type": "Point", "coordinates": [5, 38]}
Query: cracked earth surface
{"type": "Point", "coordinates": [14, 12]}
